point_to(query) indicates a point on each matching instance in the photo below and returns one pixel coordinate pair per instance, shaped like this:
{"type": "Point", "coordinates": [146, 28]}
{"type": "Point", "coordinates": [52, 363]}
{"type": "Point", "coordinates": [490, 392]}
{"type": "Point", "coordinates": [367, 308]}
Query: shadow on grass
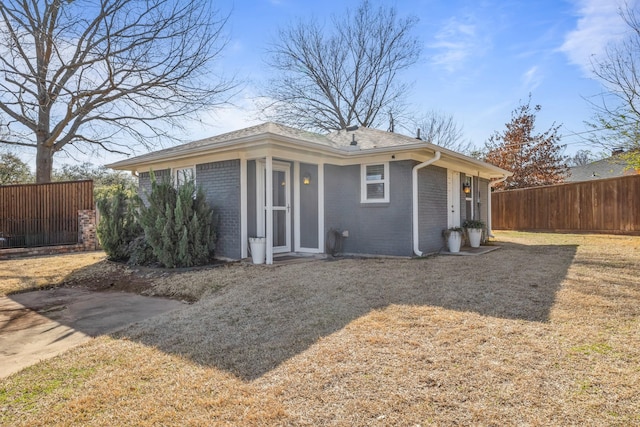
{"type": "Point", "coordinates": [270, 314]}
{"type": "Point", "coordinates": [256, 324]}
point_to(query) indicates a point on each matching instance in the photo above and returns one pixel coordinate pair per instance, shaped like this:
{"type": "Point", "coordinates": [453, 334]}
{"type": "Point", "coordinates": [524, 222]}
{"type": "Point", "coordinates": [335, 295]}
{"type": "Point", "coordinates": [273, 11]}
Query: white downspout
{"type": "Point", "coordinates": [491, 185]}
{"type": "Point", "coordinates": [414, 178]}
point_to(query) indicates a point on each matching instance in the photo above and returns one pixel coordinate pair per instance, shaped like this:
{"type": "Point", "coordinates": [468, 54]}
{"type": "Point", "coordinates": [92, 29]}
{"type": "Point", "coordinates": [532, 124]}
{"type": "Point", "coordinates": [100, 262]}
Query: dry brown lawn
{"type": "Point", "coordinates": [92, 270]}
{"type": "Point", "coordinates": [23, 274]}
{"type": "Point", "coordinates": [543, 331]}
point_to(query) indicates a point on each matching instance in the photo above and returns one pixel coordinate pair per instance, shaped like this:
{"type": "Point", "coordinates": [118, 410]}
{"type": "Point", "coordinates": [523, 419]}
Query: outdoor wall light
{"type": "Point", "coordinates": [306, 179]}
{"type": "Point", "coordinates": [466, 188]}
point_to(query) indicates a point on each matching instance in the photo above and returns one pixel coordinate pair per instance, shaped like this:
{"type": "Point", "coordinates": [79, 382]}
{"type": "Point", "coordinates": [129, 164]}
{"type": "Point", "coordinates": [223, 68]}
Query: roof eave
{"type": "Point", "coordinates": [337, 152]}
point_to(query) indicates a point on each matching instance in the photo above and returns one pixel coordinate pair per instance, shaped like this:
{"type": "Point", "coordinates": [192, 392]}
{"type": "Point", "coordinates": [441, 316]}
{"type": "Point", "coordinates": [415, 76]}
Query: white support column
{"type": "Point", "coordinates": [269, 208]}
{"type": "Point", "coordinates": [321, 207]}
{"type": "Point", "coordinates": [296, 206]}
{"type": "Point", "coordinates": [489, 231]}
{"type": "Point", "coordinates": [243, 208]}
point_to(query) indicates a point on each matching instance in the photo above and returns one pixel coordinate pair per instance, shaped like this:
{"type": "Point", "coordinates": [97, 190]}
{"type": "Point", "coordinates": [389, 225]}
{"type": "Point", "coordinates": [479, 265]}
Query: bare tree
{"type": "Point", "coordinates": [89, 73]}
{"type": "Point", "coordinates": [440, 129]}
{"type": "Point", "coordinates": [534, 159]}
{"type": "Point", "coordinates": [581, 158]}
{"type": "Point", "coordinates": [346, 74]}
{"type": "Point", "coordinates": [617, 114]}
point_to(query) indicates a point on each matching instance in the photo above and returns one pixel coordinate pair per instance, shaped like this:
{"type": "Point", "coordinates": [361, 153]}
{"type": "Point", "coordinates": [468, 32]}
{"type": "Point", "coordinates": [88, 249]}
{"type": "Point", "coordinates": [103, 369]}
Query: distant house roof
{"type": "Point", "coordinates": [607, 168]}
{"type": "Point", "coordinates": [351, 143]}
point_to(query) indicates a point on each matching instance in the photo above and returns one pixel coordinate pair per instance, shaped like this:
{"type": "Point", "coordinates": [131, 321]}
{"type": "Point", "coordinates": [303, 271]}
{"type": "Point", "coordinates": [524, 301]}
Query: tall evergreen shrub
{"type": "Point", "coordinates": [178, 224]}
{"type": "Point", "coordinates": [118, 225]}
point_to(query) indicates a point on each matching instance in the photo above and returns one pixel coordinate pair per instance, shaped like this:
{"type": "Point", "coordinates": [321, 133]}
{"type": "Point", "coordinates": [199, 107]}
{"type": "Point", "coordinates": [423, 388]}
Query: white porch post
{"type": "Point", "coordinates": [243, 208]}
{"type": "Point", "coordinates": [296, 206]}
{"type": "Point", "coordinates": [269, 209]}
{"type": "Point", "coordinates": [321, 207]}
{"type": "Point", "coordinates": [489, 231]}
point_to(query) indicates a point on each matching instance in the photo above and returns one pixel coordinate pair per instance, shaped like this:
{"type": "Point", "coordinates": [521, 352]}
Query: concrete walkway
{"type": "Point", "coordinates": [42, 324]}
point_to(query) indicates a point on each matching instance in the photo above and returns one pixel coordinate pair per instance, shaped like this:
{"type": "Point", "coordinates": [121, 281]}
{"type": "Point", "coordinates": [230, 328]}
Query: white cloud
{"type": "Point", "coordinates": [532, 78]}
{"type": "Point", "coordinates": [242, 114]}
{"type": "Point", "coordinates": [455, 43]}
{"type": "Point", "coordinates": [598, 24]}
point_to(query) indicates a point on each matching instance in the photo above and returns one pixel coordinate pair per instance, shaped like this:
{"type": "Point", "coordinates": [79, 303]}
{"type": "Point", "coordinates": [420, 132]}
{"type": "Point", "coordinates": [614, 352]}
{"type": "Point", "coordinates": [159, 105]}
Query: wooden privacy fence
{"type": "Point", "coordinates": [34, 215]}
{"type": "Point", "coordinates": [599, 206]}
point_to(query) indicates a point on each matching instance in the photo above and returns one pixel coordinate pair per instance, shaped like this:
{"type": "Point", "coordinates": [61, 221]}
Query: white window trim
{"type": "Point", "coordinates": [176, 171]}
{"type": "Point", "coordinates": [364, 182]}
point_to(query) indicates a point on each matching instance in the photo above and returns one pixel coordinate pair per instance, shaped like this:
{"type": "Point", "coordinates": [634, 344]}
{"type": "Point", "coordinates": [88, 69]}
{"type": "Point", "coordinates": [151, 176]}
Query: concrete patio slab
{"type": "Point", "coordinates": [38, 325]}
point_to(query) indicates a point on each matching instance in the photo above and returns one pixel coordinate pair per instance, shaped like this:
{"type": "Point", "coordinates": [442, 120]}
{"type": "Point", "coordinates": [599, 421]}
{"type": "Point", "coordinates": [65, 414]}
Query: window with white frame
{"type": "Point", "coordinates": [183, 175]}
{"type": "Point", "coordinates": [375, 183]}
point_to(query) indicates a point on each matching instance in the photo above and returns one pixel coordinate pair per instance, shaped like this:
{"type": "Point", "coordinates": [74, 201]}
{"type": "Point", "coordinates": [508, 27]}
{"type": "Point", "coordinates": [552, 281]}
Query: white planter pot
{"type": "Point", "coordinates": [475, 236]}
{"type": "Point", "coordinates": [258, 247]}
{"type": "Point", "coordinates": [454, 241]}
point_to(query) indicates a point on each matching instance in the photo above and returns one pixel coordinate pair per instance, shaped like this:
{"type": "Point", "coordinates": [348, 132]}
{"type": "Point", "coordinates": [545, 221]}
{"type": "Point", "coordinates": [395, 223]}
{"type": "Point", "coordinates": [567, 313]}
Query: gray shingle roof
{"type": "Point", "coordinates": [212, 142]}
{"type": "Point", "coordinates": [336, 143]}
{"type": "Point", "coordinates": [367, 138]}
{"type": "Point", "coordinates": [606, 168]}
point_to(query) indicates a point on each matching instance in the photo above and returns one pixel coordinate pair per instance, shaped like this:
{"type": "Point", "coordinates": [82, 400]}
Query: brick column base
{"type": "Point", "coordinates": [87, 229]}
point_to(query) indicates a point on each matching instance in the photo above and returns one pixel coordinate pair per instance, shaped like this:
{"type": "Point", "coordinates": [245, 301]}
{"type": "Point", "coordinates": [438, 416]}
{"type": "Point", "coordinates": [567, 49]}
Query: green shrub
{"type": "Point", "coordinates": [140, 252]}
{"type": "Point", "coordinates": [178, 224]}
{"type": "Point", "coordinates": [474, 223]}
{"type": "Point", "coordinates": [118, 225]}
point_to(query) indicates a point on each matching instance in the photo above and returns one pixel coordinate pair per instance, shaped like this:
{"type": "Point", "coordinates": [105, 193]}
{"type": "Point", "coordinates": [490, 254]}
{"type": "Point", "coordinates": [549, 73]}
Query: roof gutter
{"type": "Point", "coordinates": [414, 179]}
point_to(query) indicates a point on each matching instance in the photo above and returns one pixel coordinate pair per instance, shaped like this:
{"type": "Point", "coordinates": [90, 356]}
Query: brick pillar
{"type": "Point", "coordinates": [87, 229]}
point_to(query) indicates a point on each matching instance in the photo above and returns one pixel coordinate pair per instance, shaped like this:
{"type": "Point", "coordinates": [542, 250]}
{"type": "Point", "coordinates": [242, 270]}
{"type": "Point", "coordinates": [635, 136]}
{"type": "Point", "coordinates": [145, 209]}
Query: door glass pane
{"type": "Point", "coordinates": [279, 188]}
{"type": "Point", "coordinates": [279, 228]}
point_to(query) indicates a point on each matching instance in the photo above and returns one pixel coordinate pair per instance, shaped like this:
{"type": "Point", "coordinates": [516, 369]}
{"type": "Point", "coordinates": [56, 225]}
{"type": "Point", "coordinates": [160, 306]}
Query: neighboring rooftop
{"type": "Point", "coordinates": [611, 167]}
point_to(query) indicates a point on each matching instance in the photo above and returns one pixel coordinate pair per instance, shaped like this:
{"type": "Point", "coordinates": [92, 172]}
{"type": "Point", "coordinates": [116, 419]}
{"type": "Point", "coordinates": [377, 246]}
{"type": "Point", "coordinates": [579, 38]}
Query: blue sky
{"type": "Point", "coordinates": [480, 58]}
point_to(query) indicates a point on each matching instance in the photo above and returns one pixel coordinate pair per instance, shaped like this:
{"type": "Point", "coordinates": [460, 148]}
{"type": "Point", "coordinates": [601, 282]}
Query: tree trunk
{"type": "Point", "coordinates": [44, 163]}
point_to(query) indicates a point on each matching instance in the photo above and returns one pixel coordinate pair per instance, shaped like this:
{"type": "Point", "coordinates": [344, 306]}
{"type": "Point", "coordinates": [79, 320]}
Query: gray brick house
{"type": "Point", "coordinates": [387, 194]}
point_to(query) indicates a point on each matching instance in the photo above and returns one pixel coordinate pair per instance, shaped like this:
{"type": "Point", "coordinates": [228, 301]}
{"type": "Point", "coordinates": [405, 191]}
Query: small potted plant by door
{"type": "Point", "coordinates": [454, 239]}
{"type": "Point", "coordinates": [474, 229]}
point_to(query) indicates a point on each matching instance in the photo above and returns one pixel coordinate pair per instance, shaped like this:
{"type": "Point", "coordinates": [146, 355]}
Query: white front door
{"type": "Point", "coordinates": [453, 198]}
{"type": "Point", "coordinates": [281, 193]}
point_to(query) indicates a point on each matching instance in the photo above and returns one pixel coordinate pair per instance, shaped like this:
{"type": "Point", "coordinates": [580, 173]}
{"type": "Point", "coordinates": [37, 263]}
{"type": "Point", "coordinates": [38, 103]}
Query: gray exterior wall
{"type": "Point", "coordinates": [144, 181]}
{"type": "Point", "coordinates": [220, 182]}
{"type": "Point", "coordinates": [432, 208]}
{"type": "Point", "coordinates": [374, 228]}
{"type": "Point", "coordinates": [309, 207]}
{"type": "Point", "coordinates": [252, 221]}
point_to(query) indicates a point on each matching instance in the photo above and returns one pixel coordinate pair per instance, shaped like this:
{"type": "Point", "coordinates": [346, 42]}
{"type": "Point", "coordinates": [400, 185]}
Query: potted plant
{"type": "Point", "coordinates": [454, 238]}
{"type": "Point", "coordinates": [474, 229]}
